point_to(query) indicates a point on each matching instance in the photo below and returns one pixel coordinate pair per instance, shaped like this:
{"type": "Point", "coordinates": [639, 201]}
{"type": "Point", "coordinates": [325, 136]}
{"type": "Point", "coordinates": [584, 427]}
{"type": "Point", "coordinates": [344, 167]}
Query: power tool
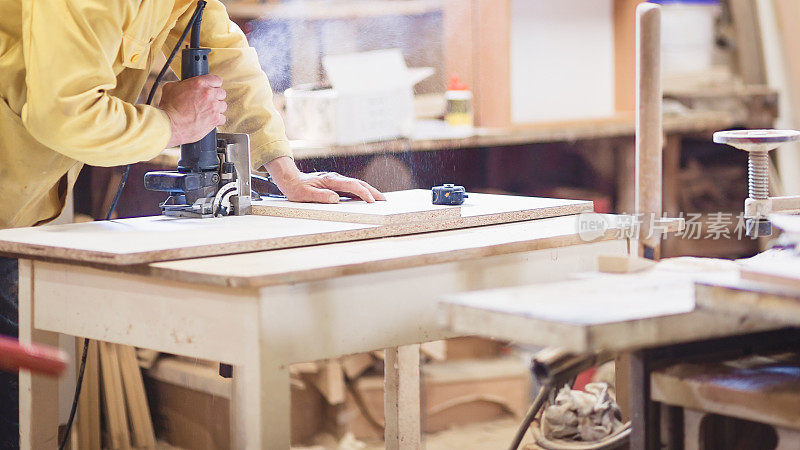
{"type": "Point", "coordinates": [213, 174]}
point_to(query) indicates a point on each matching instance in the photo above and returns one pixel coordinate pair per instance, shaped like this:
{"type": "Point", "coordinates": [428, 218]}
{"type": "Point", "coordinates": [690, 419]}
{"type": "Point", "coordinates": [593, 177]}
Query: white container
{"type": "Point", "coordinates": [687, 37]}
{"type": "Point", "coordinates": [371, 100]}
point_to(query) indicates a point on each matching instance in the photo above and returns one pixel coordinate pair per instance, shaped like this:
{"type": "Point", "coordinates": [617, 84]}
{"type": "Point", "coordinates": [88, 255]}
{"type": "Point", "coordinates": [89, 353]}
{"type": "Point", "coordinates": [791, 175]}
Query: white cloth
{"type": "Point", "coordinates": [582, 416]}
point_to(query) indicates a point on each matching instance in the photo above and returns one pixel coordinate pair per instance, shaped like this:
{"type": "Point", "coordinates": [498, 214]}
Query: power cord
{"type": "Point", "coordinates": [198, 12]}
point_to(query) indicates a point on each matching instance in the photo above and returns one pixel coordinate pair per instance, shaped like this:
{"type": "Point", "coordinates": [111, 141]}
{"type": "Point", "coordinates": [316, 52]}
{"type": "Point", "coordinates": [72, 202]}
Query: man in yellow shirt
{"type": "Point", "coordinates": [70, 72]}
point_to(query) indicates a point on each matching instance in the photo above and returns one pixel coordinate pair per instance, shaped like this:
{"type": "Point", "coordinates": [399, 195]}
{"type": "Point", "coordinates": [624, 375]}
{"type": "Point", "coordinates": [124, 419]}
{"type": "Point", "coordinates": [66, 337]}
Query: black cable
{"type": "Point", "coordinates": [198, 13]}
{"type": "Point", "coordinates": [78, 386]}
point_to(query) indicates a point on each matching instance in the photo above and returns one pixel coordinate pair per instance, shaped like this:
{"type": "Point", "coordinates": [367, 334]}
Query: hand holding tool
{"type": "Point", "coordinates": [213, 176]}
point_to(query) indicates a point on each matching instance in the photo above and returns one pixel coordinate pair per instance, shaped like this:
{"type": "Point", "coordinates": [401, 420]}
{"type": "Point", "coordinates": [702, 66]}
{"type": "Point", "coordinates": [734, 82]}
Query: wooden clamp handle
{"type": "Point", "coordinates": [648, 126]}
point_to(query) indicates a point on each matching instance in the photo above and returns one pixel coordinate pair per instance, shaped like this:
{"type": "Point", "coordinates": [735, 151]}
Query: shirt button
{"type": "Point", "coordinates": [134, 57]}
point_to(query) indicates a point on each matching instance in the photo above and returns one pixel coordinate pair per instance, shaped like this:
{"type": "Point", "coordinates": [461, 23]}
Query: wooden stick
{"type": "Point", "coordinates": [116, 418]}
{"type": "Point", "coordinates": [136, 399]}
{"type": "Point", "coordinates": [649, 136]}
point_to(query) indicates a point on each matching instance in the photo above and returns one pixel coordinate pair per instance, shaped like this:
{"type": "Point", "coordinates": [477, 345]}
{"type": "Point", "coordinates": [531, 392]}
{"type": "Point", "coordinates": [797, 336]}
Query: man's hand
{"type": "Point", "coordinates": [317, 187]}
{"type": "Point", "coordinates": [194, 106]}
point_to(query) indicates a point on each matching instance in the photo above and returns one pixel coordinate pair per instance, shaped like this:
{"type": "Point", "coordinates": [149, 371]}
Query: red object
{"type": "Point", "coordinates": [36, 358]}
{"type": "Point", "coordinates": [456, 84]}
{"type": "Point", "coordinates": [583, 379]}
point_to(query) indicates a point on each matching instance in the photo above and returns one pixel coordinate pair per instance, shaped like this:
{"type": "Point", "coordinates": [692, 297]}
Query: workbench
{"type": "Point", "coordinates": [654, 317]}
{"type": "Point", "coordinates": [263, 310]}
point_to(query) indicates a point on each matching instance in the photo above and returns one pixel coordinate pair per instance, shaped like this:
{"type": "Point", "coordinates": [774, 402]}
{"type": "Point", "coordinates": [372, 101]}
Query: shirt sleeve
{"type": "Point", "coordinates": [249, 95]}
{"type": "Point", "coordinates": [70, 47]}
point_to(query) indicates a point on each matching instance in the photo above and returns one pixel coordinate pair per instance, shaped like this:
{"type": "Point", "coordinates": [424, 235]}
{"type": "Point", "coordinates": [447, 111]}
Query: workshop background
{"type": "Point", "coordinates": [524, 97]}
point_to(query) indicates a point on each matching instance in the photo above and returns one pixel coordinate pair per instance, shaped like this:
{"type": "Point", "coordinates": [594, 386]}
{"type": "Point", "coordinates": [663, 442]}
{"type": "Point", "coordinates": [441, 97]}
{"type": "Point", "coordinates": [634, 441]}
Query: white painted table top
{"type": "Point", "coordinates": [602, 311]}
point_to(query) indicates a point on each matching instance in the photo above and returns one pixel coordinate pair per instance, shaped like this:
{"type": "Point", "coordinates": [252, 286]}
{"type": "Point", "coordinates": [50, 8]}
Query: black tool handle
{"type": "Point", "coordinates": [197, 156]}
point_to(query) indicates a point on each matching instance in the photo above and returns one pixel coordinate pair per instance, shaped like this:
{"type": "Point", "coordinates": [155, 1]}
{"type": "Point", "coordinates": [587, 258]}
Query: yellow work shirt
{"type": "Point", "coordinates": [70, 72]}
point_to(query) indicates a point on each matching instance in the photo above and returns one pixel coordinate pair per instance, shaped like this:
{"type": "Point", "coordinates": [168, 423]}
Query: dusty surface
{"type": "Point", "coordinates": [479, 436]}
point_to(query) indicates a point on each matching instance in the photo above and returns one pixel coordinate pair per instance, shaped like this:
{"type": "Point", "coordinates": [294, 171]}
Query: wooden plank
{"type": "Point", "coordinates": [757, 301]}
{"type": "Point", "coordinates": [761, 389]}
{"type": "Point", "coordinates": [158, 238]}
{"type": "Point", "coordinates": [113, 398]}
{"type": "Point", "coordinates": [612, 312]}
{"type": "Point", "coordinates": [625, 54]}
{"type": "Point", "coordinates": [492, 49]}
{"type": "Point", "coordinates": [329, 261]}
{"type": "Point", "coordinates": [749, 46]}
{"type": "Point", "coordinates": [330, 381]}
{"type": "Point", "coordinates": [414, 209]}
{"type": "Point", "coordinates": [88, 426]}
{"type": "Point", "coordinates": [136, 398]}
{"type": "Point", "coordinates": [399, 207]}
{"type": "Point", "coordinates": [401, 398]}
{"type": "Point", "coordinates": [354, 365]}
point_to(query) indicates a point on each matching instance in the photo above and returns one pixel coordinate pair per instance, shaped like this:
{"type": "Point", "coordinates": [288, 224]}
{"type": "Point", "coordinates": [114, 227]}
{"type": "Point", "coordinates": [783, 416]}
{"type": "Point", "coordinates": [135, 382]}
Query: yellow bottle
{"type": "Point", "coordinates": [458, 110]}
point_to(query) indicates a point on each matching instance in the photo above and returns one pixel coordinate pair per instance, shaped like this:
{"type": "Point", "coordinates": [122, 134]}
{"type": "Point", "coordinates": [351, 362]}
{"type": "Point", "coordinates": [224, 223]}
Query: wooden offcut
{"type": "Point", "coordinates": [136, 399]}
{"type": "Point", "coordinates": [113, 398]}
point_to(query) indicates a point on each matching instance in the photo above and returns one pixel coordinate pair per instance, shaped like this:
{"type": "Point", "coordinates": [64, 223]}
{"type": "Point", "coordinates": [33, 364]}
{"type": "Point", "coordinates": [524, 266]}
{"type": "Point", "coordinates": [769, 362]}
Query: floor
{"type": "Point", "coordinates": [486, 435]}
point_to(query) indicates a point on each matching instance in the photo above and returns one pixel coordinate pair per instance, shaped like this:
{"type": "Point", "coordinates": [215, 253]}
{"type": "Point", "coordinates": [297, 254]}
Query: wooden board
{"type": "Point", "coordinates": [399, 207]}
{"type": "Point", "coordinates": [159, 238]}
{"type": "Point", "coordinates": [136, 398]}
{"type": "Point", "coordinates": [612, 312]}
{"type": "Point", "coordinates": [777, 267]}
{"type": "Point", "coordinates": [113, 398]}
{"type": "Point", "coordinates": [757, 388]}
{"type": "Point", "coordinates": [759, 301]}
{"type": "Point", "coordinates": [415, 207]}
{"type": "Point", "coordinates": [334, 260]}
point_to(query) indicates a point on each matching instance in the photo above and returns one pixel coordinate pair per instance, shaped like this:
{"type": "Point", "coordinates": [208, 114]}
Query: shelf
{"type": "Point", "coordinates": [330, 10]}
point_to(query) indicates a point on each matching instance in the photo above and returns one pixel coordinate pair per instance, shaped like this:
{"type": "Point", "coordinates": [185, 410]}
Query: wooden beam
{"type": "Point", "coordinates": [401, 398]}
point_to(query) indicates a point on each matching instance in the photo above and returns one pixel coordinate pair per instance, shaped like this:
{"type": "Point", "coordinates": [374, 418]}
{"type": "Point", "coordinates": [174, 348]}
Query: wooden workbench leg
{"type": "Point", "coordinates": [260, 407]}
{"type": "Point", "coordinates": [644, 414]}
{"type": "Point", "coordinates": [401, 398]}
{"type": "Point", "coordinates": [38, 394]}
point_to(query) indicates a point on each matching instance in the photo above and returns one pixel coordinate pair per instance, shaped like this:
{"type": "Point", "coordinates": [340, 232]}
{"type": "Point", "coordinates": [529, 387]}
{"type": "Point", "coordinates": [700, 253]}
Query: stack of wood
{"type": "Point", "coordinates": [465, 380]}
{"type": "Point", "coordinates": [113, 384]}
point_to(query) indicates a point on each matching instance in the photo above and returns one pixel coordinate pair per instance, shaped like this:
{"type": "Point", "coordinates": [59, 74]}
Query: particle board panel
{"type": "Point", "coordinates": [400, 207]}
{"type": "Point", "coordinates": [601, 312]}
{"type": "Point", "coordinates": [158, 238]}
{"type": "Point", "coordinates": [323, 262]}
{"type": "Point", "coordinates": [412, 210]}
